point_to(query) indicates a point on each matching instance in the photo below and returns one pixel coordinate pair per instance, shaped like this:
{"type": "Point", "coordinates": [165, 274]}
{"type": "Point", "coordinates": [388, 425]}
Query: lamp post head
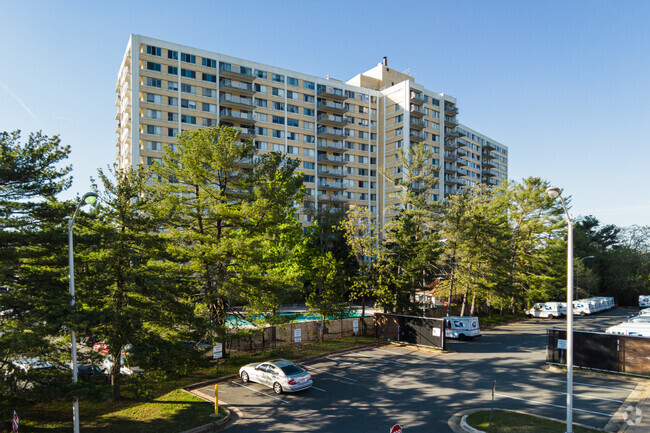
{"type": "Point", "coordinates": [553, 192]}
{"type": "Point", "coordinates": [89, 198]}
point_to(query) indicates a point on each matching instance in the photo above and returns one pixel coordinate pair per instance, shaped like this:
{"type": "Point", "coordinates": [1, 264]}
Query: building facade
{"type": "Point", "coordinates": [344, 134]}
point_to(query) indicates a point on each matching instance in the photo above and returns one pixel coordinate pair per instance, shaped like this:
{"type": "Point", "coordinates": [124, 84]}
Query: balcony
{"type": "Point", "coordinates": [451, 121]}
{"type": "Point", "coordinates": [326, 132]}
{"type": "Point", "coordinates": [236, 72]}
{"type": "Point", "coordinates": [451, 168]}
{"type": "Point", "coordinates": [245, 133]}
{"type": "Point", "coordinates": [451, 110]}
{"type": "Point", "coordinates": [243, 118]}
{"type": "Point", "coordinates": [237, 87]}
{"type": "Point", "coordinates": [332, 159]}
{"type": "Point", "coordinates": [461, 152]}
{"type": "Point", "coordinates": [417, 123]}
{"type": "Point", "coordinates": [489, 146]}
{"type": "Point", "coordinates": [417, 111]}
{"type": "Point", "coordinates": [489, 172]}
{"type": "Point", "coordinates": [451, 144]}
{"type": "Point", "coordinates": [331, 119]}
{"type": "Point", "coordinates": [488, 163]}
{"type": "Point", "coordinates": [330, 198]}
{"type": "Point", "coordinates": [331, 184]}
{"type": "Point", "coordinates": [416, 136]}
{"type": "Point", "coordinates": [228, 100]}
{"type": "Point", "coordinates": [417, 98]}
{"type": "Point", "coordinates": [334, 107]}
{"type": "Point", "coordinates": [488, 155]}
{"type": "Point", "coordinates": [451, 156]}
{"type": "Point", "coordinates": [331, 172]}
{"type": "Point", "coordinates": [453, 133]}
{"type": "Point", "coordinates": [331, 145]}
{"type": "Point", "coordinates": [463, 172]}
{"type": "Point", "coordinates": [462, 142]}
{"type": "Point", "coordinates": [454, 180]}
{"type": "Point", "coordinates": [331, 93]}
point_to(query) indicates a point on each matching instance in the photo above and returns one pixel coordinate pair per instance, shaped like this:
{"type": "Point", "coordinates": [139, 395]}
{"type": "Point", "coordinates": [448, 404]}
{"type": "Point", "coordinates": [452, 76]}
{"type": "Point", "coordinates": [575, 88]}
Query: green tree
{"type": "Point", "coordinates": [33, 263]}
{"type": "Point", "coordinates": [128, 294]}
{"type": "Point", "coordinates": [230, 214]}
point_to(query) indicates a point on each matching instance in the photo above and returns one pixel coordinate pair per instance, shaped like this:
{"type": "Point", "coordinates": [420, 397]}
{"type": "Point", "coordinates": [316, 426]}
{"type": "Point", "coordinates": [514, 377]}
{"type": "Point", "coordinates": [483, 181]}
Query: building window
{"type": "Point", "coordinates": [209, 77]}
{"type": "Point", "coordinates": [172, 85]}
{"type": "Point", "coordinates": [188, 119]}
{"type": "Point", "coordinates": [308, 111]}
{"type": "Point", "coordinates": [262, 145]}
{"type": "Point", "coordinates": [309, 165]}
{"type": "Point", "coordinates": [186, 103]}
{"type": "Point", "coordinates": [277, 92]}
{"type": "Point", "coordinates": [309, 178]}
{"type": "Point", "coordinates": [188, 73]}
{"type": "Point", "coordinates": [261, 102]}
{"type": "Point", "coordinates": [260, 117]}
{"type": "Point", "coordinates": [260, 74]}
{"type": "Point", "coordinates": [210, 108]}
{"type": "Point", "coordinates": [188, 88]}
{"type": "Point", "coordinates": [293, 150]}
{"type": "Point", "coordinates": [278, 147]}
{"type": "Point", "coordinates": [292, 136]}
{"type": "Point", "coordinates": [153, 99]}
{"type": "Point", "coordinates": [209, 63]}
{"type": "Point", "coordinates": [172, 70]}
{"type": "Point", "coordinates": [279, 120]}
{"type": "Point", "coordinates": [154, 51]}
{"type": "Point", "coordinates": [348, 157]}
{"type": "Point", "coordinates": [278, 106]}
{"type": "Point", "coordinates": [308, 85]}
{"type": "Point", "coordinates": [209, 93]}
{"type": "Point", "coordinates": [209, 122]}
{"type": "Point", "coordinates": [172, 101]}
{"type": "Point", "coordinates": [277, 133]}
{"type": "Point", "coordinates": [154, 82]}
{"type": "Point", "coordinates": [293, 95]}
{"type": "Point", "coordinates": [172, 117]}
{"type": "Point", "coordinates": [151, 160]}
{"type": "Point", "coordinates": [309, 138]}
{"type": "Point", "coordinates": [363, 171]}
{"type": "Point", "coordinates": [261, 131]}
{"type": "Point", "coordinates": [308, 125]}
{"type": "Point", "coordinates": [155, 146]}
{"type": "Point", "coordinates": [362, 159]}
{"type": "Point", "coordinates": [188, 58]}
{"type": "Point", "coordinates": [154, 130]}
{"type": "Point", "coordinates": [292, 81]}
{"type": "Point", "coordinates": [308, 98]}
{"type": "Point", "coordinates": [349, 145]}
{"type": "Point", "coordinates": [308, 152]}
{"type": "Point", "coordinates": [293, 122]}
{"type": "Point", "coordinates": [277, 78]}
{"type": "Point", "coordinates": [172, 132]}
{"type": "Point", "coordinates": [152, 66]}
{"type": "Point", "coordinates": [171, 54]}
{"type": "Point", "coordinates": [293, 109]}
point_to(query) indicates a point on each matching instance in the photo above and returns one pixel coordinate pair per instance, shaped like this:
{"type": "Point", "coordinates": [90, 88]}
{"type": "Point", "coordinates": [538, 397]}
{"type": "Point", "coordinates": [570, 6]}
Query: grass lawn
{"type": "Point", "coordinates": [513, 422]}
{"type": "Point", "coordinates": [496, 319]}
{"type": "Point", "coordinates": [170, 409]}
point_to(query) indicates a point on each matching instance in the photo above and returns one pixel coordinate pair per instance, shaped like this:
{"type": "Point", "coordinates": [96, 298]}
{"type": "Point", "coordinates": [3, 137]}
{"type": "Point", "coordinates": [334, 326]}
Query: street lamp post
{"type": "Point", "coordinates": [578, 274]}
{"type": "Point", "coordinates": [554, 192]}
{"type": "Point", "coordinates": [88, 198]}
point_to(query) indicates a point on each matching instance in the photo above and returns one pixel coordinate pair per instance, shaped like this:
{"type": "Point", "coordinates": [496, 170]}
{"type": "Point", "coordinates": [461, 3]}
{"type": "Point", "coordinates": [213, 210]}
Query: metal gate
{"type": "Point", "coordinates": [422, 331]}
{"type": "Point", "coordinates": [601, 351]}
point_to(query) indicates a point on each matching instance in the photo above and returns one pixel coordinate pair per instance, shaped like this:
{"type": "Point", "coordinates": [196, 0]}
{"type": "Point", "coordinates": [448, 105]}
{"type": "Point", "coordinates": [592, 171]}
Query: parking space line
{"type": "Point", "coordinates": [259, 392]}
{"type": "Point", "coordinates": [583, 396]}
{"type": "Point", "coordinates": [355, 365]}
{"type": "Point", "coordinates": [381, 359]}
{"type": "Point", "coordinates": [587, 384]}
{"type": "Point", "coordinates": [319, 389]}
{"type": "Point", "coordinates": [553, 405]}
{"type": "Point", "coordinates": [327, 372]}
{"type": "Point", "coordinates": [405, 354]}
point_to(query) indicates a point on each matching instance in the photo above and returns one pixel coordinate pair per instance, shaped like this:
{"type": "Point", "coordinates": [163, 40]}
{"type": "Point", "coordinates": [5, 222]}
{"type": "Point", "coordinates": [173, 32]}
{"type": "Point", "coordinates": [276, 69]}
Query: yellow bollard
{"type": "Point", "coordinates": [216, 399]}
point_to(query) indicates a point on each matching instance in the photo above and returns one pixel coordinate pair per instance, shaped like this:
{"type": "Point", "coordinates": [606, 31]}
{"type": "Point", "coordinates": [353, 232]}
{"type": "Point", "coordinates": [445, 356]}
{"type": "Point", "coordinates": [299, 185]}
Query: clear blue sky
{"type": "Point", "coordinates": [564, 84]}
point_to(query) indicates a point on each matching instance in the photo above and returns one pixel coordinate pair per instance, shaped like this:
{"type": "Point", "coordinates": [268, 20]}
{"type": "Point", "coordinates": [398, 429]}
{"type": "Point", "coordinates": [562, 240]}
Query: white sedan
{"type": "Point", "coordinates": [281, 375]}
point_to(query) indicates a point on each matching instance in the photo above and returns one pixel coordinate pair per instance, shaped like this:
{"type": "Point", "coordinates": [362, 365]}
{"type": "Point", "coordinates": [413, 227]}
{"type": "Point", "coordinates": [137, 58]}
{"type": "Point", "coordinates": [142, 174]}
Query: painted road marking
{"type": "Point", "coordinates": [586, 384]}
{"type": "Point", "coordinates": [553, 405]}
{"type": "Point", "coordinates": [521, 344]}
{"type": "Point", "coordinates": [327, 372]}
{"type": "Point", "coordinates": [355, 365]}
{"type": "Point", "coordinates": [381, 359]}
{"type": "Point", "coordinates": [319, 389]}
{"type": "Point", "coordinates": [259, 392]}
{"type": "Point", "coordinates": [582, 395]}
{"type": "Point", "coordinates": [421, 358]}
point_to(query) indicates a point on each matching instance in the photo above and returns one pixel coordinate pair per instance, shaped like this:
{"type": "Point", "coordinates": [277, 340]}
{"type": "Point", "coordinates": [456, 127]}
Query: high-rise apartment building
{"type": "Point", "coordinates": [344, 134]}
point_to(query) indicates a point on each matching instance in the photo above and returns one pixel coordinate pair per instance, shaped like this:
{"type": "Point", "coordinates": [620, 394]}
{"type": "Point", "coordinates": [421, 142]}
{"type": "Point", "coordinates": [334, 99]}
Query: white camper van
{"type": "Point", "coordinates": [634, 329]}
{"type": "Point", "coordinates": [644, 301]}
{"type": "Point", "coordinates": [462, 327]}
{"type": "Point", "coordinates": [551, 310]}
{"type": "Point", "coordinates": [584, 307]}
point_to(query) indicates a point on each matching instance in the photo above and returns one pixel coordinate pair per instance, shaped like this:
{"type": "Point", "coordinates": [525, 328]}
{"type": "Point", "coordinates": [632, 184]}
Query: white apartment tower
{"type": "Point", "coordinates": [342, 133]}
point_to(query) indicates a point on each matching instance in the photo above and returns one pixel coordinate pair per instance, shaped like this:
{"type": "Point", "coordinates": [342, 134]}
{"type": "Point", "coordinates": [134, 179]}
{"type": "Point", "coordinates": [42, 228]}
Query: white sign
{"type": "Point", "coordinates": [355, 326]}
{"type": "Point", "coordinates": [217, 351]}
{"type": "Point", "coordinates": [297, 335]}
{"type": "Point", "coordinates": [561, 344]}
{"type": "Point", "coordinates": [436, 332]}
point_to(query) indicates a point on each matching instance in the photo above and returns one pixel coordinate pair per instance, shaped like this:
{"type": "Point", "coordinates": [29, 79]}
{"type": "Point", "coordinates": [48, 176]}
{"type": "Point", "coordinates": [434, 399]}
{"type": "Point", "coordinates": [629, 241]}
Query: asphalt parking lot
{"type": "Point", "coordinates": [372, 389]}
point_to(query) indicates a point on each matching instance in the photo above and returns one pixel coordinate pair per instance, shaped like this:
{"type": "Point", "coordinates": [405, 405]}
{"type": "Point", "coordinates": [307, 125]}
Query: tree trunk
{"type": "Point", "coordinates": [473, 307]}
{"type": "Point", "coordinates": [363, 314]}
{"type": "Point", "coordinates": [451, 289]}
{"type": "Point", "coordinates": [464, 304]}
{"type": "Point", "coordinates": [115, 374]}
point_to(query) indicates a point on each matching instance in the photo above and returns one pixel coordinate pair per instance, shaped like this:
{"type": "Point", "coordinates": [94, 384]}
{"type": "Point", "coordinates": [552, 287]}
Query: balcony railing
{"type": "Point", "coordinates": [331, 105]}
{"type": "Point", "coordinates": [417, 123]}
{"type": "Point", "coordinates": [323, 130]}
{"type": "Point", "coordinates": [226, 98]}
{"type": "Point", "coordinates": [331, 119]}
{"type": "Point", "coordinates": [329, 144]}
{"type": "Point", "coordinates": [417, 136]}
{"type": "Point", "coordinates": [337, 159]}
{"type": "Point", "coordinates": [417, 110]}
{"type": "Point", "coordinates": [331, 92]}
{"type": "Point", "coordinates": [237, 86]}
{"type": "Point", "coordinates": [416, 97]}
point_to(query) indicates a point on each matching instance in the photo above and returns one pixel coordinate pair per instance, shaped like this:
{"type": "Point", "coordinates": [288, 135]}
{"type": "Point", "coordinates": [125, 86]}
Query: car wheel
{"type": "Point", "coordinates": [550, 316]}
{"type": "Point", "coordinates": [244, 377]}
{"type": "Point", "coordinates": [462, 337]}
{"type": "Point", "coordinates": [582, 313]}
{"type": "Point", "coordinates": [277, 388]}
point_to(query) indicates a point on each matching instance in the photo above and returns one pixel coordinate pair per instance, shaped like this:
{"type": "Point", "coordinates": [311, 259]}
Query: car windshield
{"type": "Point", "coordinates": [292, 369]}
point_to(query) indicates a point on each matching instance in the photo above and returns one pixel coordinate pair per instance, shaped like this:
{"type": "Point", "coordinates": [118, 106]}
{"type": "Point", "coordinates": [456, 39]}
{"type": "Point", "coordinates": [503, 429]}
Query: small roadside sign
{"type": "Point", "coordinates": [297, 335]}
{"type": "Point", "coordinates": [561, 344]}
{"type": "Point", "coordinates": [217, 351]}
{"type": "Point", "coordinates": [16, 422]}
{"type": "Point", "coordinates": [436, 332]}
{"type": "Point", "coordinates": [396, 429]}
{"type": "Point", "coordinates": [355, 326]}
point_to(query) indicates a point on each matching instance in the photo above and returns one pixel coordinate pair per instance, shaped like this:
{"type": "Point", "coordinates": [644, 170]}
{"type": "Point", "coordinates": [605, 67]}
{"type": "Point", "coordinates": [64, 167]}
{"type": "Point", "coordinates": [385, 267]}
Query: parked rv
{"type": "Point", "coordinates": [644, 301]}
{"type": "Point", "coordinates": [462, 328]}
{"type": "Point", "coordinates": [634, 329]}
{"type": "Point", "coordinates": [551, 310]}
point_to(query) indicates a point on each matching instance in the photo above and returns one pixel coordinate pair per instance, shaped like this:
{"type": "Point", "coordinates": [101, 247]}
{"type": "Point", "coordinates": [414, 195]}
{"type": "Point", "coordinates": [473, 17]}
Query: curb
{"type": "Point", "coordinates": [458, 422]}
{"type": "Point", "coordinates": [210, 427]}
